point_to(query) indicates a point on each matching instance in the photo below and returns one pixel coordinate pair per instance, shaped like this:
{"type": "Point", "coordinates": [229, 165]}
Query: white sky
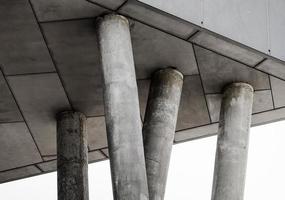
{"type": "Point", "coordinates": [190, 173]}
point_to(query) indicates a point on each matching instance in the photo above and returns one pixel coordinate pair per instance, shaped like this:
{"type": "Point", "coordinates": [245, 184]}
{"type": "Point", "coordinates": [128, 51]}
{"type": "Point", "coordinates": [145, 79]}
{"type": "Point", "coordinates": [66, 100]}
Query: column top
{"type": "Point", "coordinates": [111, 17]}
{"type": "Point", "coordinates": [172, 70]}
{"type": "Point", "coordinates": [69, 113]}
{"type": "Point", "coordinates": [238, 85]}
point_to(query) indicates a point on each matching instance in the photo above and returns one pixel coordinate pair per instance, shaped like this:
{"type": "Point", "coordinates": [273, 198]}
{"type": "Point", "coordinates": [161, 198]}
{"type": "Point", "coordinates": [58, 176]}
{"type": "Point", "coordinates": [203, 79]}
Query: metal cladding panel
{"type": "Point", "coordinates": [189, 10]}
{"type": "Point", "coordinates": [277, 28]}
{"type": "Point", "coordinates": [242, 21]}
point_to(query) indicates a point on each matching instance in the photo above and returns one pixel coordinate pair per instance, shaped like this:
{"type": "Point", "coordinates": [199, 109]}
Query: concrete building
{"type": "Point", "coordinates": [50, 62]}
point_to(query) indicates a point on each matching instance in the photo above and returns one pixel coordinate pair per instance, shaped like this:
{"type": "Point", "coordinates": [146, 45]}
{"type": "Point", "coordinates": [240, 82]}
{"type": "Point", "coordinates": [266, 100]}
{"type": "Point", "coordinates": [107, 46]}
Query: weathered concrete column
{"type": "Point", "coordinates": [232, 145]}
{"type": "Point", "coordinates": [123, 121]}
{"type": "Point", "coordinates": [72, 156]}
{"type": "Point", "coordinates": [159, 127]}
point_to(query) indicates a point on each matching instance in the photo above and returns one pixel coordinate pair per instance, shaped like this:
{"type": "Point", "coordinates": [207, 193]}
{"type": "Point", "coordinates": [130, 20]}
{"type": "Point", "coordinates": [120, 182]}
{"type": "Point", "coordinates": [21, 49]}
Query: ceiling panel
{"type": "Point", "coordinates": [192, 101]}
{"type": "Point", "coordinates": [161, 50]}
{"type": "Point", "coordinates": [97, 137]}
{"type": "Point", "coordinates": [40, 97]}
{"type": "Point", "coordinates": [75, 50]}
{"type": "Point", "coordinates": [218, 71]}
{"type": "Point", "coordinates": [262, 102]}
{"type": "Point", "coordinates": [22, 46]}
{"type": "Point", "coordinates": [163, 21]}
{"type": "Point", "coordinates": [19, 173]}
{"type": "Point", "coordinates": [226, 48]}
{"type": "Point", "coordinates": [9, 111]}
{"type": "Point", "coordinates": [17, 147]}
{"type": "Point", "coordinates": [51, 10]}
{"type": "Point", "coordinates": [273, 67]}
{"type": "Point", "coordinates": [278, 91]}
{"type": "Point", "coordinates": [111, 4]}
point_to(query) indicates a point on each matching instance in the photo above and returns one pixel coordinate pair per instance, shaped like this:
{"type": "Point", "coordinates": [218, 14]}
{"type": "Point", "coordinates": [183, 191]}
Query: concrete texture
{"type": "Point", "coordinates": [48, 158]}
{"type": "Point", "coordinates": [162, 50]}
{"type": "Point", "coordinates": [159, 127]}
{"type": "Point", "coordinates": [51, 166]}
{"type": "Point", "coordinates": [111, 4]}
{"type": "Point", "coordinates": [54, 10]}
{"type": "Point", "coordinates": [226, 48]}
{"type": "Point", "coordinates": [72, 156]}
{"type": "Point", "coordinates": [192, 101]}
{"type": "Point", "coordinates": [122, 109]}
{"type": "Point", "coordinates": [232, 145]}
{"type": "Point", "coordinates": [17, 147]}
{"type": "Point", "coordinates": [95, 156]}
{"type": "Point", "coordinates": [48, 166]}
{"type": "Point", "coordinates": [196, 133]}
{"type": "Point", "coordinates": [150, 16]}
{"type": "Point", "coordinates": [74, 61]}
{"type": "Point", "coordinates": [97, 138]}
{"type": "Point", "coordinates": [273, 67]}
{"type": "Point", "coordinates": [40, 96]}
{"type": "Point", "coordinates": [218, 71]}
{"type": "Point", "coordinates": [262, 102]}
{"type": "Point", "coordinates": [22, 47]}
{"type": "Point", "coordinates": [278, 88]}
{"type": "Point", "coordinates": [81, 74]}
{"type": "Point", "coordinates": [19, 173]}
{"type": "Point", "coordinates": [8, 107]}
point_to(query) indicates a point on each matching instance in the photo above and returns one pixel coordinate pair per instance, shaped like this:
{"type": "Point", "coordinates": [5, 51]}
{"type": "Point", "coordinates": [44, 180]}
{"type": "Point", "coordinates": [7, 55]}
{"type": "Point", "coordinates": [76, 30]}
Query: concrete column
{"type": "Point", "coordinates": [159, 127]}
{"type": "Point", "coordinates": [124, 129]}
{"type": "Point", "coordinates": [232, 146]}
{"type": "Point", "coordinates": [72, 156]}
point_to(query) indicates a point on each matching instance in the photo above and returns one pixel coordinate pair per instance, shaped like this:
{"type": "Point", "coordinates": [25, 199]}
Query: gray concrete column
{"type": "Point", "coordinates": [159, 127]}
{"type": "Point", "coordinates": [232, 145]}
{"type": "Point", "coordinates": [123, 121]}
{"type": "Point", "coordinates": [72, 156]}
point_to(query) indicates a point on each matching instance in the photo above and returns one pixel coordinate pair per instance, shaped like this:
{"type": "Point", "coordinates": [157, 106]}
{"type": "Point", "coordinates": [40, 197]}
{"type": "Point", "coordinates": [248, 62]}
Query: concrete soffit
{"type": "Point", "coordinates": [44, 62]}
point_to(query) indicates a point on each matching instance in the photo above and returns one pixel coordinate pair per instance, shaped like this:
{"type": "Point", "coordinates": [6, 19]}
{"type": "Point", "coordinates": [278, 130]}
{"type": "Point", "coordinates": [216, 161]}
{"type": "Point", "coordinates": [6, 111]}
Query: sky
{"type": "Point", "coordinates": [190, 173]}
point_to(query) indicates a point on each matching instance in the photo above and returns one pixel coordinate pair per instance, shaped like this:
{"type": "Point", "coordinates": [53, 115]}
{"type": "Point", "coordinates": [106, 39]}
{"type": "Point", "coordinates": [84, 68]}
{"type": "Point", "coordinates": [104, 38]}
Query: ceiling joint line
{"type": "Point", "coordinates": [51, 56]}
{"type": "Point", "coordinates": [22, 114]}
{"type": "Point", "coordinates": [202, 84]}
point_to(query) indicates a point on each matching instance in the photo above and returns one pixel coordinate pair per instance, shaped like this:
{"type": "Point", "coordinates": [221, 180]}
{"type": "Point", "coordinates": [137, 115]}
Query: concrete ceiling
{"type": "Point", "coordinates": [50, 62]}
